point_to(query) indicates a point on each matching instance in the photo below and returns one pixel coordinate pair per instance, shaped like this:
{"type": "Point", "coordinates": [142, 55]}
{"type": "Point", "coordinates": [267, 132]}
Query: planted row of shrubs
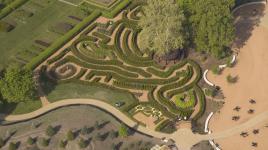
{"type": "Point", "coordinates": [100, 67]}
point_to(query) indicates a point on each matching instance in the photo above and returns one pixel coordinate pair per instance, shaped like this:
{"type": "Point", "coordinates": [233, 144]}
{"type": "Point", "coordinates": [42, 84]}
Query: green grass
{"type": "Point", "coordinates": [21, 108]}
{"type": "Point", "coordinates": [76, 90]}
{"type": "Point", "coordinates": [36, 27]}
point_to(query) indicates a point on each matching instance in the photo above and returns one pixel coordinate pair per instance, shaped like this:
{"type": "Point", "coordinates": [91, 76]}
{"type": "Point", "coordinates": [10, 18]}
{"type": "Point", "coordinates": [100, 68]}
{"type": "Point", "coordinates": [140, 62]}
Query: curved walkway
{"type": "Point", "coordinates": [184, 138]}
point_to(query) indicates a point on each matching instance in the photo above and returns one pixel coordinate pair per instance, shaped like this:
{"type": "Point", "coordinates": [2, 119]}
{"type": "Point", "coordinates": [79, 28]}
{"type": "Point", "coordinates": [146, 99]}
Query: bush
{"type": "Point", "coordinates": [30, 141]}
{"type": "Point", "coordinates": [211, 92]}
{"type": "Point", "coordinates": [123, 131]}
{"type": "Point", "coordinates": [70, 135]}
{"type": "Point", "coordinates": [62, 144]}
{"type": "Point", "coordinates": [44, 142]}
{"type": "Point", "coordinates": [216, 70]}
{"type": "Point", "coordinates": [12, 146]}
{"type": "Point", "coordinates": [50, 131]}
{"type": "Point", "coordinates": [231, 79]}
{"type": "Point", "coordinates": [82, 143]}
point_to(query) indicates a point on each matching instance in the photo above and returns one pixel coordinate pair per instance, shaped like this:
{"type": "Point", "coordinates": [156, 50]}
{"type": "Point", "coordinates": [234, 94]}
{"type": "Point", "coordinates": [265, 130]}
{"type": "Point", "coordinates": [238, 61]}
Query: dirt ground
{"type": "Point", "coordinates": [75, 118]}
{"type": "Point", "coordinates": [252, 72]}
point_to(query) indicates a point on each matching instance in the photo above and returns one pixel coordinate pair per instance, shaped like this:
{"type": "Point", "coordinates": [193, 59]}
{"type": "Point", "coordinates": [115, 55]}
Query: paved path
{"type": "Point", "coordinates": [184, 138]}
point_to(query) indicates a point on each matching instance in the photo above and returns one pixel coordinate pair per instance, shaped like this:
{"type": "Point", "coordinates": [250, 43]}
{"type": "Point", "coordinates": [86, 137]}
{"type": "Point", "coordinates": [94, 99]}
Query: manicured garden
{"type": "Point", "coordinates": [108, 60]}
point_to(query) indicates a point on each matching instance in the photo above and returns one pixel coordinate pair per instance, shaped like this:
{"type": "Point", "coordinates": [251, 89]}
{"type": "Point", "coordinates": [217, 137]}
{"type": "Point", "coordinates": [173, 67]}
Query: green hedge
{"type": "Point", "coordinates": [11, 7]}
{"type": "Point", "coordinates": [61, 41]}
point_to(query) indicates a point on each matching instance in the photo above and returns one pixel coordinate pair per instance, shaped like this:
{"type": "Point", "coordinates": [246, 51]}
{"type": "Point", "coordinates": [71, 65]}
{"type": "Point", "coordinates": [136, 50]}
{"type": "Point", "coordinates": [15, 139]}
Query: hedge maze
{"type": "Point", "coordinates": [107, 53]}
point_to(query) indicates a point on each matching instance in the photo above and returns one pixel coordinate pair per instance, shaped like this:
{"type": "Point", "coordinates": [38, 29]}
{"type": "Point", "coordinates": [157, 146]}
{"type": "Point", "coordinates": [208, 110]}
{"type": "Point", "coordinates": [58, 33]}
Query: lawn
{"type": "Point", "coordinates": [21, 108]}
{"type": "Point", "coordinates": [76, 90]}
{"type": "Point", "coordinates": [184, 100]}
{"type": "Point", "coordinates": [21, 40]}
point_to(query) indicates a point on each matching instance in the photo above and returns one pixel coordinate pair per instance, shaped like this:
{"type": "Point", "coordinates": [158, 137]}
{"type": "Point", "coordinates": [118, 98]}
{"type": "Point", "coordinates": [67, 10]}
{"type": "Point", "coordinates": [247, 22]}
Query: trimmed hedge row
{"type": "Point", "coordinates": [100, 67]}
{"type": "Point", "coordinates": [189, 86]}
{"type": "Point", "coordinates": [202, 102]}
{"type": "Point", "coordinates": [89, 59]}
{"type": "Point", "coordinates": [137, 86]}
{"type": "Point", "coordinates": [62, 40]}
{"type": "Point", "coordinates": [165, 74]}
{"type": "Point", "coordinates": [59, 56]}
{"type": "Point", "coordinates": [11, 7]}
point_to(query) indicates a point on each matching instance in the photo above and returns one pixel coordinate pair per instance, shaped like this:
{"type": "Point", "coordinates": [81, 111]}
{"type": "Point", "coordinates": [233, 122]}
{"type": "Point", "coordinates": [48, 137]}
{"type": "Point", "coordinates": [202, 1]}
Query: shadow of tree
{"type": "Point", "coordinates": [246, 19]}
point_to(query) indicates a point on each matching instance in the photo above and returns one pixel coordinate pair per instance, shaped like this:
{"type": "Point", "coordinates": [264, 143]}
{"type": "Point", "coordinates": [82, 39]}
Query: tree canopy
{"type": "Point", "coordinates": [17, 85]}
{"type": "Point", "coordinates": [162, 27]}
{"type": "Point", "coordinates": [212, 25]}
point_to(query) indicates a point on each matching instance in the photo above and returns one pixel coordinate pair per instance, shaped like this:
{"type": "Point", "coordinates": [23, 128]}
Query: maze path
{"type": "Point", "coordinates": [108, 54]}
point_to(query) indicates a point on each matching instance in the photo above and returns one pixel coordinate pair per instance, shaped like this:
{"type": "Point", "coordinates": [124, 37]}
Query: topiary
{"type": "Point", "coordinates": [50, 131]}
{"type": "Point", "coordinates": [30, 141]}
{"type": "Point", "coordinates": [82, 143]}
{"type": "Point", "coordinates": [44, 142]}
{"type": "Point", "coordinates": [70, 136]}
{"type": "Point", "coordinates": [62, 144]}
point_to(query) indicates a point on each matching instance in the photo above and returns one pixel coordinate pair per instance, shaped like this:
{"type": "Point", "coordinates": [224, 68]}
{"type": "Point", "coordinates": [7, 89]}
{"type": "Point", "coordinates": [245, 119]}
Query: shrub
{"type": "Point", "coordinates": [70, 135]}
{"type": "Point", "coordinates": [231, 79]}
{"type": "Point", "coordinates": [44, 142]}
{"type": "Point", "coordinates": [30, 141]}
{"type": "Point", "coordinates": [12, 146]}
{"type": "Point", "coordinates": [216, 70]}
{"type": "Point", "coordinates": [82, 143]}
{"type": "Point", "coordinates": [50, 131]}
{"type": "Point", "coordinates": [123, 131]}
{"type": "Point", "coordinates": [211, 92]}
{"type": "Point", "coordinates": [62, 144]}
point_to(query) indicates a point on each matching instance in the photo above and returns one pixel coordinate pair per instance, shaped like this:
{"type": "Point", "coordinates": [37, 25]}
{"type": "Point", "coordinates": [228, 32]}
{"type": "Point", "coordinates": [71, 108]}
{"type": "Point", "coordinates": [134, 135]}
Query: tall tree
{"type": "Point", "coordinates": [212, 24]}
{"type": "Point", "coordinates": [17, 85]}
{"type": "Point", "coordinates": [162, 27]}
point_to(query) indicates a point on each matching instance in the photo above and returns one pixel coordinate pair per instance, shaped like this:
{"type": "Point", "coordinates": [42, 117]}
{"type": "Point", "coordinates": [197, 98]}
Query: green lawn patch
{"type": "Point", "coordinates": [21, 108]}
{"type": "Point", "coordinates": [76, 90]}
{"type": "Point", "coordinates": [185, 100]}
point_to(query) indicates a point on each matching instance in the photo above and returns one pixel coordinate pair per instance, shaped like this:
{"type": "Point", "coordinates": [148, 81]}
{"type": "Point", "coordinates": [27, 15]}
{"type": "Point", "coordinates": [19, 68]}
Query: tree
{"type": "Point", "coordinates": [62, 144]}
{"type": "Point", "coordinates": [123, 131]}
{"type": "Point", "coordinates": [50, 131]}
{"type": "Point", "coordinates": [70, 135]}
{"type": "Point", "coordinates": [82, 143]}
{"type": "Point", "coordinates": [30, 141]}
{"type": "Point", "coordinates": [44, 142]}
{"type": "Point", "coordinates": [212, 25]}
{"type": "Point", "coordinates": [17, 85]}
{"type": "Point", "coordinates": [162, 27]}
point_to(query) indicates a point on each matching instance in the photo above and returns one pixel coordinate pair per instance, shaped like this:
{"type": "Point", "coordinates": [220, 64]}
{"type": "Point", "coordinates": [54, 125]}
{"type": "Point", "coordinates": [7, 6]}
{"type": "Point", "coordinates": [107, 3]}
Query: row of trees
{"type": "Point", "coordinates": [206, 25]}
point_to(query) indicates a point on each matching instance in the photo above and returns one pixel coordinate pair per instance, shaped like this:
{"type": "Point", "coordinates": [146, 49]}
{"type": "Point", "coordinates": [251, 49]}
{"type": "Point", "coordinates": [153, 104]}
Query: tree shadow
{"type": "Point", "coordinates": [246, 19]}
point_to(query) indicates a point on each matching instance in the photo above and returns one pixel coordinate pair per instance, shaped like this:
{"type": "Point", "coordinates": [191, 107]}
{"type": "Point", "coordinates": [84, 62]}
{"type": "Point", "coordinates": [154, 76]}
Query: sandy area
{"type": "Point", "coordinates": [252, 84]}
{"type": "Point", "coordinates": [149, 121]}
